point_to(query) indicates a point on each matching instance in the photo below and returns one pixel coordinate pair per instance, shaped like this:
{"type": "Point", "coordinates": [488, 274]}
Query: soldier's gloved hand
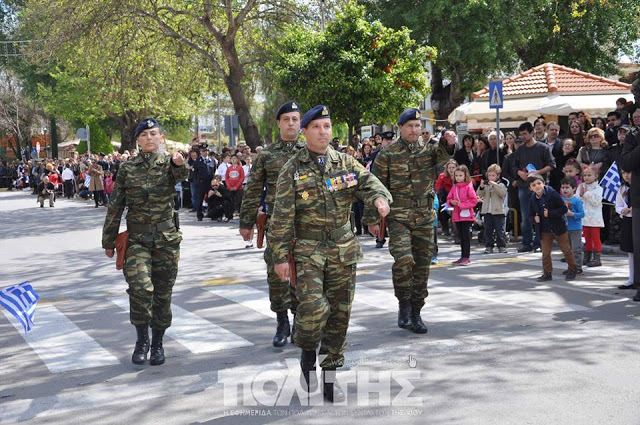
{"type": "Point", "coordinates": [247, 234]}
{"type": "Point", "coordinates": [282, 270]}
{"type": "Point", "coordinates": [177, 159]}
{"type": "Point", "coordinates": [383, 207]}
{"type": "Point", "coordinates": [108, 253]}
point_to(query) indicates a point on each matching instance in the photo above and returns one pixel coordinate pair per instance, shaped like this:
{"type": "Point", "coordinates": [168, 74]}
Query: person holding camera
{"type": "Point", "coordinates": [45, 191]}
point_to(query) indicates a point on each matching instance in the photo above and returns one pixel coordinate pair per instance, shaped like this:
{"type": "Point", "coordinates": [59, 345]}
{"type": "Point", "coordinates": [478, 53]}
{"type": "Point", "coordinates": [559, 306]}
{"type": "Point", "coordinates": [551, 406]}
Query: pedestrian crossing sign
{"type": "Point", "coordinates": [495, 95]}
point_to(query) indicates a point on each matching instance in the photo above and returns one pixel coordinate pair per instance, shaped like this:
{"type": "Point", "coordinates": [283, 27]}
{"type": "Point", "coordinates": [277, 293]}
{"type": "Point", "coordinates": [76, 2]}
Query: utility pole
{"type": "Point", "coordinates": [322, 15]}
{"type": "Point", "coordinates": [219, 124]}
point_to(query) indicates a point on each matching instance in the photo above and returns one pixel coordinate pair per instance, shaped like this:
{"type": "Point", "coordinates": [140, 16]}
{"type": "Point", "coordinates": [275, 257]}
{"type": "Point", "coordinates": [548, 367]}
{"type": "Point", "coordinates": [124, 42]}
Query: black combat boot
{"type": "Point", "coordinates": [283, 330]}
{"type": "Point", "coordinates": [331, 390]}
{"type": "Point", "coordinates": [417, 325]}
{"type": "Point", "coordinates": [308, 365]}
{"type": "Point", "coordinates": [404, 312]}
{"type": "Point", "coordinates": [142, 345]}
{"type": "Point", "coordinates": [157, 352]}
{"type": "Point", "coordinates": [636, 297]}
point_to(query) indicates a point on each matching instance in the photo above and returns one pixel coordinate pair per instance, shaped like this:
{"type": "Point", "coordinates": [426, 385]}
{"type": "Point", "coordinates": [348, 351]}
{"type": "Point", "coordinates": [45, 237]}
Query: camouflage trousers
{"type": "Point", "coordinates": [150, 269]}
{"type": "Point", "coordinates": [326, 295]}
{"type": "Point", "coordinates": [281, 295]}
{"type": "Point", "coordinates": [411, 245]}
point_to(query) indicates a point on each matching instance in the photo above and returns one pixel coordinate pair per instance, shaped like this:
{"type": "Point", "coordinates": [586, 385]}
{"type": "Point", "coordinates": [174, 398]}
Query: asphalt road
{"type": "Point", "coordinates": [501, 348]}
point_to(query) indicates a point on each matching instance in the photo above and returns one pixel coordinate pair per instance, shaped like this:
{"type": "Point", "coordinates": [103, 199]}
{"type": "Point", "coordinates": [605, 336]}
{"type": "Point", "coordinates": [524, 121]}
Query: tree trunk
{"type": "Point", "coordinates": [233, 81]}
{"type": "Point", "coordinates": [444, 99]}
{"type": "Point", "coordinates": [126, 123]}
{"type": "Point", "coordinates": [53, 137]}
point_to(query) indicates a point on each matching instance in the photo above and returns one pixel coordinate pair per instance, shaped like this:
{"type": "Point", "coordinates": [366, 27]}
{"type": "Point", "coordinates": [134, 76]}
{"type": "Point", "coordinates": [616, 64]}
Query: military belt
{"type": "Point", "coordinates": [322, 235]}
{"type": "Point", "coordinates": [150, 228]}
{"type": "Point", "coordinates": [415, 202]}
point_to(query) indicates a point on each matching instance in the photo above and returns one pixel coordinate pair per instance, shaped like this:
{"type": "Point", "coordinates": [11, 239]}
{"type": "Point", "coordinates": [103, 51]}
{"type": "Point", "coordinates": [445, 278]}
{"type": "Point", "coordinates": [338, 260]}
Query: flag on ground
{"type": "Point", "coordinates": [611, 183]}
{"type": "Point", "coordinates": [20, 300]}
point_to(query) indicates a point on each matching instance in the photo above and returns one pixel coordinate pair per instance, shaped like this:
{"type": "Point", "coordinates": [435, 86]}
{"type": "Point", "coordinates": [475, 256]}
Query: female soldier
{"type": "Point", "coordinates": [145, 185]}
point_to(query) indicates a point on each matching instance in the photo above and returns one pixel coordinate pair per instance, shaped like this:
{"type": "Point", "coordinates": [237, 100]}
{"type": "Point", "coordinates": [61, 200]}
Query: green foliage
{"type": "Point", "coordinates": [478, 39]}
{"type": "Point", "coordinates": [359, 69]}
{"type": "Point", "coordinates": [100, 141]}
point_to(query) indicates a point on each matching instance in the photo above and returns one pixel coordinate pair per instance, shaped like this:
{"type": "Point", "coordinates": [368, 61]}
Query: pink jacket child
{"type": "Point", "coordinates": [464, 193]}
{"type": "Point", "coordinates": [109, 185]}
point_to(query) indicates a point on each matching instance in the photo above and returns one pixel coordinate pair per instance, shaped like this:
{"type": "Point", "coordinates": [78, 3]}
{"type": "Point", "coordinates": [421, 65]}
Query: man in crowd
{"type": "Point", "coordinates": [530, 158]}
{"type": "Point", "coordinates": [315, 191]}
{"type": "Point", "coordinates": [613, 123]}
{"type": "Point", "coordinates": [45, 190]}
{"type": "Point", "coordinates": [553, 141]}
{"type": "Point", "coordinates": [263, 178]}
{"type": "Point", "coordinates": [67, 181]}
{"type": "Point", "coordinates": [407, 168]}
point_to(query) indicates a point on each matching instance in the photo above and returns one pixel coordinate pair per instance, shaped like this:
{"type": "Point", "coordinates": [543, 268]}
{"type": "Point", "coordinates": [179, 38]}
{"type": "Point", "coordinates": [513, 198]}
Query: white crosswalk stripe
{"type": "Point", "coordinates": [61, 345]}
{"type": "Point", "coordinates": [387, 301]}
{"type": "Point", "coordinates": [195, 333]}
{"type": "Point", "coordinates": [258, 301]}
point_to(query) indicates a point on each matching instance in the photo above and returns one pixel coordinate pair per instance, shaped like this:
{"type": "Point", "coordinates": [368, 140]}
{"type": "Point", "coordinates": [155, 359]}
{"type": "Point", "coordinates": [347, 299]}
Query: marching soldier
{"type": "Point", "coordinates": [312, 209]}
{"type": "Point", "coordinates": [146, 186]}
{"type": "Point", "coordinates": [407, 169]}
{"type": "Point", "coordinates": [265, 174]}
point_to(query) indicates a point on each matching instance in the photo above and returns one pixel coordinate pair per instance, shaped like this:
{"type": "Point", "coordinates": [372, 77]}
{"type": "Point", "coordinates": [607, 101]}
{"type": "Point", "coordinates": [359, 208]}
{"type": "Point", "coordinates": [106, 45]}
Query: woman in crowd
{"type": "Point", "coordinates": [557, 174]}
{"type": "Point", "coordinates": [539, 129]}
{"type": "Point", "coordinates": [466, 155]}
{"type": "Point", "coordinates": [601, 123]}
{"type": "Point", "coordinates": [585, 121]}
{"type": "Point", "coordinates": [96, 185]}
{"type": "Point", "coordinates": [576, 134]}
{"type": "Point", "coordinates": [594, 153]}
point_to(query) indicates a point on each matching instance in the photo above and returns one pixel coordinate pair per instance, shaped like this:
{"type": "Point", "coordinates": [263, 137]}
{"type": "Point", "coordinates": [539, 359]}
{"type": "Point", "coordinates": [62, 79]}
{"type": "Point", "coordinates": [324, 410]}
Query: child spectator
{"type": "Point", "coordinates": [493, 193]}
{"type": "Point", "coordinates": [548, 209]}
{"type": "Point", "coordinates": [573, 169]}
{"type": "Point", "coordinates": [444, 183]}
{"type": "Point", "coordinates": [234, 181]}
{"type": "Point", "coordinates": [626, 237]}
{"type": "Point", "coordinates": [463, 199]}
{"type": "Point", "coordinates": [591, 194]}
{"type": "Point", "coordinates": [109, 184]}
{"type": "Point", "coordinates": [575, 214]}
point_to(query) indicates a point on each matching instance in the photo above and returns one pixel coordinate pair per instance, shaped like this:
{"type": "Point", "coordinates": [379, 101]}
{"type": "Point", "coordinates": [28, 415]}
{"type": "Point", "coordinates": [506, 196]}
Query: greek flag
{"type": "Point", "coordinates": [20, 300]}
{"type": "Point", "coordinates": [611, 183]}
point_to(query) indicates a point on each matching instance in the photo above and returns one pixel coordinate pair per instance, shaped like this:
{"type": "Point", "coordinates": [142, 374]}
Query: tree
{"type": "Point", "coordinates": [19, 115]}
{"type": "Point", "coordinates": [223, 34]}
{"type": "Point", "coordinates": [116, 70]}
{"type": "Point", "coordinates": [481, 39]}
{"type": "Point", "coordinates": [360, 70]}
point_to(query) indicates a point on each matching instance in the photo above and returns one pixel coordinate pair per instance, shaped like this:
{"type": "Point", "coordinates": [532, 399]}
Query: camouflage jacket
{"type": "Point", "coordinates": [265, 172]}
{"type": "Point", "coordinates": [310, 202]}
{"type": "Point", "coordinates": [146, 188]}
{"type": "Point", "coordinates": [409, 176]}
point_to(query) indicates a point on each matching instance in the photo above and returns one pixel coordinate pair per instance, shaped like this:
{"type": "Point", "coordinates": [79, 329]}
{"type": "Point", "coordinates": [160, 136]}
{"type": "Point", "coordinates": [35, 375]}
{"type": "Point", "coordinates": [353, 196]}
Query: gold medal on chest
{"type": "Point", "coordinates": [305, 195]}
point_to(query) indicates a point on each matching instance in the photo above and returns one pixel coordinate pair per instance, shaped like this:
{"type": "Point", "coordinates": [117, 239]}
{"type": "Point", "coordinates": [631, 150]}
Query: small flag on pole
{"type": "Point", "coordinates": [611, 183]}
{"type": "Point", "coordinates": [20, 300]}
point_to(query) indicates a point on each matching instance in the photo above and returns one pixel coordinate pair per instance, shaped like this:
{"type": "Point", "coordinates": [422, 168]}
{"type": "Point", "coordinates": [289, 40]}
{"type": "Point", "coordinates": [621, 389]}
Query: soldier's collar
{"type": "Point", "coordinates": [412, 147]}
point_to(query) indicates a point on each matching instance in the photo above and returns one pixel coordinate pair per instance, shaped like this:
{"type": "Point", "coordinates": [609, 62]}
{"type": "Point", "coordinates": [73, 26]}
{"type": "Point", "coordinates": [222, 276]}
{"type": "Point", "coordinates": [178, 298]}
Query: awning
{"type": "Point", "coordinates": [594, 105]}
{"type": "Point", "coordinates": [514, 109]}
{"type": "Point", "coordinates": [530, 108]}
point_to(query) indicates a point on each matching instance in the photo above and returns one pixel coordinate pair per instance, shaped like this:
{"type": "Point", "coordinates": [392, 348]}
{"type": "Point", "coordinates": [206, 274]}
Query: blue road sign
{"type": "Point", "coordinates": [495, 95]}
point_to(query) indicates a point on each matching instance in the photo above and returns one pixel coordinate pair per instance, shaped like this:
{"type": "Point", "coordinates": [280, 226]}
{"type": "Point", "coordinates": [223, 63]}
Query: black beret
{"type": "Point", "coordinates": [388, 135]}
{"type": "Point", "coordinates": [291, 106]}
{"type": "Point", "coordinates": [315, 113]}
{"type": "Point", "coordinates": [145, 124]}
{"type": "Point", "coordinates": [408, 115]}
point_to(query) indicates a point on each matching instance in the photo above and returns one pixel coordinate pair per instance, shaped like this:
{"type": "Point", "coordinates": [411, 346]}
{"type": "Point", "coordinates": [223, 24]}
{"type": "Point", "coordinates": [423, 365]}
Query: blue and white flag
{"type": "Point", "coordinates": [20, 300]}
{"type": "Point", "coordinates": [611, 183]}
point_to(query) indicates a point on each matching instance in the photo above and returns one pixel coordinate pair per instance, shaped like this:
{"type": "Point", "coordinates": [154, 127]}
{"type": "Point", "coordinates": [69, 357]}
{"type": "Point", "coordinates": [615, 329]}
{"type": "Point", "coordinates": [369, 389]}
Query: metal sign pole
{"type": "Point", "coordinates": [498, 136]}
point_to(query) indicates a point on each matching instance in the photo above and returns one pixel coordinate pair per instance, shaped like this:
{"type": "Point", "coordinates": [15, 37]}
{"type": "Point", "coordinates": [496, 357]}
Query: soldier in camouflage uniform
{"type": "Point", "coordinates": [313, 204]}
{"type": "Point", "coordinates": [407, 169]}
{"type": "Point", "coordinates": [146, 186]}
{"type": "Point", "coordinates": [265, 173]}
